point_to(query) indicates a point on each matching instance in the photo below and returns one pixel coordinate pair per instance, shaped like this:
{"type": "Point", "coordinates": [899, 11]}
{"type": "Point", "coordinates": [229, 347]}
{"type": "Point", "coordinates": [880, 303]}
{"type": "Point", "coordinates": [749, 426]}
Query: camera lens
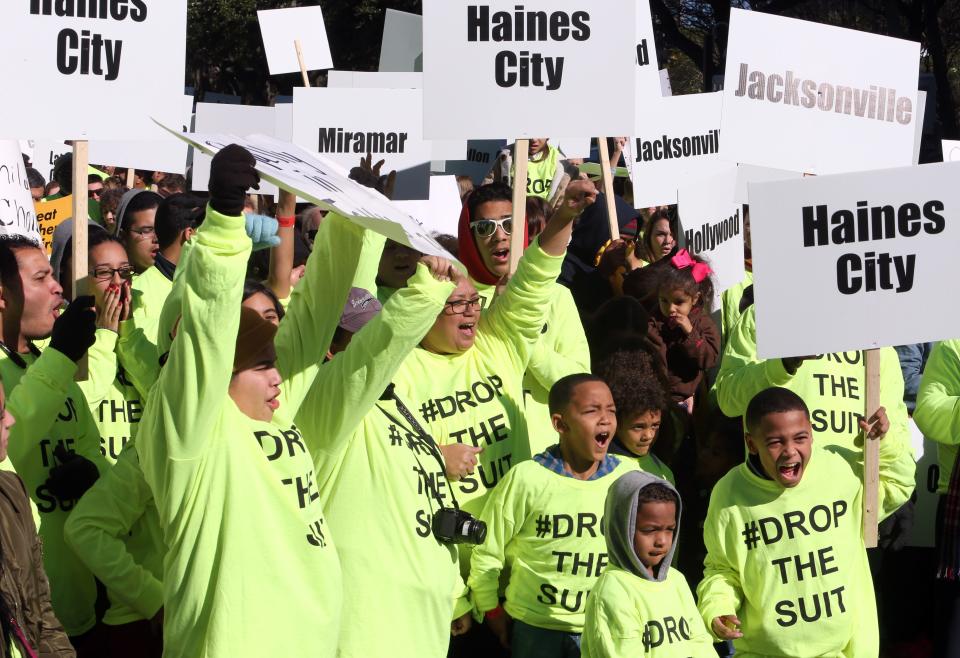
{"type": "Point", "coordinates": [475, 530]}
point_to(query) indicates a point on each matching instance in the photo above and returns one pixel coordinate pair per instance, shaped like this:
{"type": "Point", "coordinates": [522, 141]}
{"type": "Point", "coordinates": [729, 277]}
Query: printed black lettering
{"type": "Point", "coordinates": [548, 594]}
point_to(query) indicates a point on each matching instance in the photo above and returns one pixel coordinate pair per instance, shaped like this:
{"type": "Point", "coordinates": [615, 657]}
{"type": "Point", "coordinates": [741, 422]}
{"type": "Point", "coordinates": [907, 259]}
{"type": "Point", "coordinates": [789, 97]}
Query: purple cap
{"type": "Point", "coordinates": [360, 308]}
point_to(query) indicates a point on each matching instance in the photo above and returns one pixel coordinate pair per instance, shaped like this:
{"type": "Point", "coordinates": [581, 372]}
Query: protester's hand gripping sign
{"type": "Point", "coordinates": [323, 183]}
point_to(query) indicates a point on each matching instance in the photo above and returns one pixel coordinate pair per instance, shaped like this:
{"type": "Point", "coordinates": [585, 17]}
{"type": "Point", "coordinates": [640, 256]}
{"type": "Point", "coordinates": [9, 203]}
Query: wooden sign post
{"type": "Point", "coordinates": [131, 177]}
{"type": "Point", "coordinates": [606, 177]}
{"type": "Point", "coordinates": [303, 66]}
{"type": "Point", "coordinates": [80, 214]}
{"type": "Point", "coordinates": [521, 156]}
{"type": "Point", "coordinates": [871, 453]}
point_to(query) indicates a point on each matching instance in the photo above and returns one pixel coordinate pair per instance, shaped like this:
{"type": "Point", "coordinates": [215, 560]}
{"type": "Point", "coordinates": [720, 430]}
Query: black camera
{"type": "Point", "coordinates": [454, 526]}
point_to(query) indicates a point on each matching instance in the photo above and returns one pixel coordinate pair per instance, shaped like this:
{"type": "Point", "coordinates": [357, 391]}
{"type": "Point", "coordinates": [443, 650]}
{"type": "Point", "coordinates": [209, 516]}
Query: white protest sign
{"type": "Point", "coordinates": [17, 213]}
{"type": "Point", "coordinates": [666, 89]}
{"type": "Point", "coordinates": [677, 139]}
{"type": "Point", "coordinates": [156, 150]}
{"type": "Point", "coordinates": [346, 124]}
{"type": "Point", "coordinates": [749, 174]}
{"type": "Point", "coordinates": [951, 150]}
{"type": "Point", "coordinates": [441, 212]}
{"type": "Point", "coordinates": [281, 27]}
{"type": "Point", "coordinates": [482, 155]}
{"type": "Point", "coordinates": [45, 156]}
{"type": "Point", "coordinates": [648, 67]}
{"type": "Point", "coordinates": [402, 45]}
{"type": "Point", "coordinates": [89, 59]}
{"type": "Point", "coordinates": [494, 69]}
{"type": "Point", "coordinates": [711, 226]}
{"type": "Point", "coordinates": [573, 147]}
{"type": "Point", "coordinates": [217, 118]}
{"type": "Point", "coordinates": [852, 261]}
{"type": "Point", "coordinates": [817, 98]}
{"type": "Point", "coordinates": [325, 184]}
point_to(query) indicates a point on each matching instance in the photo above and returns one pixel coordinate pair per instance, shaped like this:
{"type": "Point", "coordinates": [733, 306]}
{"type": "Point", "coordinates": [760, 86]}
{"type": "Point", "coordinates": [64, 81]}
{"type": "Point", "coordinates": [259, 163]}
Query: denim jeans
{"type": "Point", "coordinates": [532, 642]}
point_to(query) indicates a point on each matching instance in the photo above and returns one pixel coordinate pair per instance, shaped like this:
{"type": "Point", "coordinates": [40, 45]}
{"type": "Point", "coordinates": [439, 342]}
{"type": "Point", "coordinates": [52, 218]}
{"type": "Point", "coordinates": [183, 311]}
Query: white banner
{"type": "Point", "coordinates": [441, 212]}
{"type": "Point", "coordinates": [677, 140]}
{"type": "Point", "coordinates": [373, 80]}
{"type": "Point", "coordinates": [345, 124]}
{"type": "Point", "coordinates": [649, 76]}
{"type": "Point", "coordinates": [323, 183]}
{"type": "Point", "coordinates": [155, 151]}
{"type": "Point", "coordinates": [217, 118]}
{"type": "Point", "coordinates": [749, 174]}
{"type": "Point", "coordinates": [402, 45]}
{"type": "Point", "coordinates": [482, 155]}
{"type": "Point", "coordinates": [855, 261]}
{"type": "Point", "coordinates": [90, 70]}
{"type": "Point", "coordinates": [817, 98]}
{"type": "Point", "coordinates": [17, 214]}
{"type": "Point", "coordinates": [280, 28]}
{"type": "Point", "coordinates": [497, 69]}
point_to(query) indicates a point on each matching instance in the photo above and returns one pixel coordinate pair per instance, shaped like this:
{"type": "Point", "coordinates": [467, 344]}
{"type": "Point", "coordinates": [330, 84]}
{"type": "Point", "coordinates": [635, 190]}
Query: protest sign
{"type": "Point", "coordinates": [325, 184]}
{"type": "Point", "coordinates": [711, 226]}
{"type": "Point", "coordinates": [17, 213]}
{"type": "Point", "coordinates": [344, 125]}
{"type": "Point", "coordinates": [649, 83]}
{"type": "Point", "coordinates": [374, 80]}
{"type": "Point", "coordinates": [573, 147]}
{"type": "Point", "coordinates": [677, 140]}
{"type": "Point", "coordinates": [750, 174]}
{"type": "Point", "coordinates": [281, 27]}
{"type": "Point", "coordinates": [402, 45]}
{"type": "Point", "coordinates": [99, 57]}
{"type": "Point", "coordinates": [497, 69]}
{"type": "Point", "coordinates": [156, 150]}
{"type": "Point", "coordinates": [235, 120]}
{"type": "Point", "coordinates": [854, 259]}
{"type": "Point", "coordinates": [666, 89]}
{"type": "Point", "coordinates": [951, 150]}
{"type": "Point", "coordinates": [817, 98]}
{"type": "Point", "coordinates": [918, 125]}
{"type": "Point", "coordinates": [482, 155]}
{"type": "Point", "coordinates": [441, 212]}
{"type": "Point", "coordinates": [50, 214]}
{"type": "Point", "coordinates": [45, 156]}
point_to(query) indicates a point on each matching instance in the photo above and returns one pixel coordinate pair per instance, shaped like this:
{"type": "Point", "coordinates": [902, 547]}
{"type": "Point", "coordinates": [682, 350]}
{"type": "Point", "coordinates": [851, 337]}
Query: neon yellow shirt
{"type": "Point", "coordinates": [938, 406]}
{"type": "Point", "coordinates": [730, 308]}
{"type": "Point", "coordinates": [137, 345]}
{"type": "Point", "coordinates": [791, 564]}
{"type": "Point", "coordinates": [50, 409]}
{"type": "Point", "coordinates": [628, 616]}
{"type": "Point", "coordinates": [542, 173]}
{"type": "Point", "coordinates": [251, 568]}
{"type": "Point", "coordinates": [546, 528]}
{"type": "Point", "coordinates": [833, 386]}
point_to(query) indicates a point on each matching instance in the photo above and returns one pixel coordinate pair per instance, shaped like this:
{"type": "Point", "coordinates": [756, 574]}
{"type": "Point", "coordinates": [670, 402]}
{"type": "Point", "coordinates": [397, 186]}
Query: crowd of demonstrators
{"type": "Point", "coordinates": [299, 437]}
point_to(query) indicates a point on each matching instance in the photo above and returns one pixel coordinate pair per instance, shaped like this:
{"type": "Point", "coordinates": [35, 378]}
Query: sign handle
{"type": "Point", "coordinates": [131, 177]}
{"type": "Point", "coordinates": [521, 155]}
{"type": "Point", "coordinates": [303, 66]}
{"type": "Point", "coordinates": [80, 214]}
{"type": "Point", "coordinates": [606, 176]}
{"type": "Point", "coordinates": [871, 454]}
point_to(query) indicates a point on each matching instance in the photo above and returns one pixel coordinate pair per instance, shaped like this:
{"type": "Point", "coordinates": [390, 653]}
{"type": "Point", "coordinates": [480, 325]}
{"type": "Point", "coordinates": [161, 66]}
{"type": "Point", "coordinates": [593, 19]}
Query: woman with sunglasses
{"type": "Point", "coordinates": [484, 240]}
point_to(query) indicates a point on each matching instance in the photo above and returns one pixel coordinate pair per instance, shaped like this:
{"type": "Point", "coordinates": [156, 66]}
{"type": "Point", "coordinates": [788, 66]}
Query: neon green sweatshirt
{"type": "Point", "coordinates": [938, 406]}
{"type": "Point", "coordinates": [546, 528]}
{"type": "Point", "coordinates": [374, 480]}
{"type": "Point", "coordinates": [476, 397]}
{"type": "Point", "coordinates": [115, 531]}
{"type": "Point", "coordinates": [791, 564]}
{"type": "Point", "coordinates": [730, 308]}
{"type": "Point", "coordinates": [137, 345]}
{"type": "Point", "coordinates": [114, 401]}
{"type": "Point", "coordinates": [50, 409]}
{"type": "Point", "coordinates": [542, 174]}
{"type": "Point", "coordinates": [833, 386]}
{"type": "Point", "coordinates": [248, 546]}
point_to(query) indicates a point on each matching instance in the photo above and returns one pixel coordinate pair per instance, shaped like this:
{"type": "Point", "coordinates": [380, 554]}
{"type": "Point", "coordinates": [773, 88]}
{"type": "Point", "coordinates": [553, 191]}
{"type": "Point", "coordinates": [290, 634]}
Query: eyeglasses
{"type": "Point", "coordinates": [459, 306]}
{"type": "Point", "coordinates": [96, 194]}
{"type": "Point", "coordinates": [484, 228]}
{"type": "Point", "coordinates": [104, 273]}
{"type": "Point", "coordinates": [143, 233]}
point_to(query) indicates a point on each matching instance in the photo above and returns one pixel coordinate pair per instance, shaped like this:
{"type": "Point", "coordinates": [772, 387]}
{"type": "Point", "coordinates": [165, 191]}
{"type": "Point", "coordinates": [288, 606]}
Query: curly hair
{"type": "Point", "coordinates": [656, 493]}
{"type": "Point", "coordinates": [637, 383]}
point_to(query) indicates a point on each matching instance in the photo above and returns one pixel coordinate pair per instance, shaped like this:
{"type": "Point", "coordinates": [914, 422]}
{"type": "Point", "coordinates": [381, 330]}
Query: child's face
{"type": "Point", "coordinates": [783, 442]}
{"type": "Point", "coordinates": [589, 421]}
{"type": "Point", "coordinates": [676, 302]}
{"type": "Point", "coordinates": [653, 537]}
{"type": "Point", "coordinates": [639, 431]}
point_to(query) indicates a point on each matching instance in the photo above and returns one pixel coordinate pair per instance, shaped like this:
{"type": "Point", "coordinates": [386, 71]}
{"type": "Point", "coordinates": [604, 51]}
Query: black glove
{"type": "Point", "coordinates": [75, 330]}
{"type": "Point", "coordinates": [231, 175]}
{"type": "Point", "coordinates": [72, 476]}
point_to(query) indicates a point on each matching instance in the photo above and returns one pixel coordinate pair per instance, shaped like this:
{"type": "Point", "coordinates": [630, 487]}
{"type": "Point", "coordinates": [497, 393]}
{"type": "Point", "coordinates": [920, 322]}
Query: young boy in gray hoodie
{"type": "Point", "coordinates": [641, 606]}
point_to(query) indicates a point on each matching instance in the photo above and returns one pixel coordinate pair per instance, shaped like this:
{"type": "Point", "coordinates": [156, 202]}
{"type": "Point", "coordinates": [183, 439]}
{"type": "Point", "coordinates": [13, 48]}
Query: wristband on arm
{"type": "Point", "coordinates": [493, 614]}
{"type": "Point", "coordinates": [286, 222]}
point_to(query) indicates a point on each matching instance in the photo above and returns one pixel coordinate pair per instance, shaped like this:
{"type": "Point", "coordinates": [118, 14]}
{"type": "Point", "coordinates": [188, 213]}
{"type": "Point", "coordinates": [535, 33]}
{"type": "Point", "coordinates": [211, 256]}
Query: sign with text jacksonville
{"type": "Point", "coordinates": [99, 59]}
{"type": "Point", "coordinates": [816, 98]}
{"type": "Point", "coordinates": [526, 69]}
{"type": "Point", "coordinates": [855, 261]}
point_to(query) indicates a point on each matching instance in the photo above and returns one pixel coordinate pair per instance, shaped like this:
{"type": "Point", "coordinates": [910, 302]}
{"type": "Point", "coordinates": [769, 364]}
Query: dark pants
{"type": "Point", "coordinates": [133, 639]}
{"type": "Point", "coordinates": [946, 602]}
{"type": "Point", "coordinates": [532, 642]}
{"type": "Point", "coordinates": [90, 644]}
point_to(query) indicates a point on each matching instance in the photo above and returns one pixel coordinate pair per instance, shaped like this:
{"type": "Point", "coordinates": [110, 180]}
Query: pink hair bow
{"type": "Point", "coordinates": [682, 260]}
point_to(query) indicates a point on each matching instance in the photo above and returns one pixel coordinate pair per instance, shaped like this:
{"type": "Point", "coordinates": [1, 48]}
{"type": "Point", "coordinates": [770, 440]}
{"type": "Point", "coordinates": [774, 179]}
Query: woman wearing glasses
{"type": "Point", "coordinates": [561, 350]}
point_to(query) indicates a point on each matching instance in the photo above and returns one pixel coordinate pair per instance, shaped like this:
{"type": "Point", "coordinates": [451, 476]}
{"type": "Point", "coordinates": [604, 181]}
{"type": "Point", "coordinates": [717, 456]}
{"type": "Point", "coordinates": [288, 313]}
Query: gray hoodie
{"type": "Point", "coordinates": [62, 235]}
{"type": "Point", "coordinates": [620, 514]}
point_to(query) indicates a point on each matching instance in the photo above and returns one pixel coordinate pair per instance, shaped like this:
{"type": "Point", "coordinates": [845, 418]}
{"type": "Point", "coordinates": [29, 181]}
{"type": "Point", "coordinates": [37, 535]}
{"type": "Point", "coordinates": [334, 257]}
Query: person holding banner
{"type": "Point", "coordinates": [484, 248]}
{"type": "Point", "coordinates": [54, 447]}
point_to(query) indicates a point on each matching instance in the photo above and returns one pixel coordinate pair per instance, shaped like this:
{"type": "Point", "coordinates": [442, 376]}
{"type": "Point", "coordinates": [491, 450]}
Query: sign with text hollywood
{"type": "Point", "coordinates": [99, 59]}
{"type": "Point", "coordinates": [346, 124]}
{"type": "Point", "coordinates": [816, 98]}
{"type": "Point", "coordinates": [855, 261]}
{"type": "Point", "coordinates": [499, 69]}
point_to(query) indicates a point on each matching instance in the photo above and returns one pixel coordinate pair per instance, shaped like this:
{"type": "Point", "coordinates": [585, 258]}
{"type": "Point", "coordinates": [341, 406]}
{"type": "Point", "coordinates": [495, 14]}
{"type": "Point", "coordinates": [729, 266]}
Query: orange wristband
{"type": "Point", "coordinates": [286, 222]}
